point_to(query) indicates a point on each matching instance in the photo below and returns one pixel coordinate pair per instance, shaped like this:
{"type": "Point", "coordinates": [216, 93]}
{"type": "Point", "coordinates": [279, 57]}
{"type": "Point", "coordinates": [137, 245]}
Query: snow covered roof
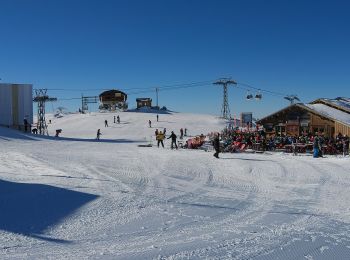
{"type": "Point", "coordinates": [341, 103]}
{"type": "Point", "coordinates": [329, 112]}
{"type": "Point", "coordinates": [322, 109]}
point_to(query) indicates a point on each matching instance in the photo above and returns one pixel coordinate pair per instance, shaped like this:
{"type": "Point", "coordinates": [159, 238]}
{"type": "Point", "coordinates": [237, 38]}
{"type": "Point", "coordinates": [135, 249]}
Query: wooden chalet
{"type": "Point", "coordinates": [143, 102]}
{"type": "Point", "coordinates": [328, 116]}
{"type": "Point", "coordinates": [113, 99]}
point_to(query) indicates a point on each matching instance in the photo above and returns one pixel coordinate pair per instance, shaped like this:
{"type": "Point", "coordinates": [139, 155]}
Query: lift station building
{"type": "Point", "coordinates": [16, 104]}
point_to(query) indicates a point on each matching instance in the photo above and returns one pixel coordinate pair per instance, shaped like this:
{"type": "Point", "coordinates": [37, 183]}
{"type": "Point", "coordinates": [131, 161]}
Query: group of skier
{"type": "Point", "coordinates": [341, 144]}
{"type": "Point", "coordinates": [160, 136]}
{"type": "Point", "coordinates": [183, 133]}
{"type": "Point", "coordinates": [116, 119]}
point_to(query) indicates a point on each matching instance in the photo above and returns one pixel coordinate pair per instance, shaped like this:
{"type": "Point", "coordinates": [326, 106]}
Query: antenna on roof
{"type": "Point", "coordinates": [292, 98]}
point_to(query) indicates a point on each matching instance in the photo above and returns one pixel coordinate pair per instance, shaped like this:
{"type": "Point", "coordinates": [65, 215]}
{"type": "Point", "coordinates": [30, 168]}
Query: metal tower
{"type": "Point", "coordinates": [87, 100]}
{"type": "Point", "coordinates": [41, 98]}
{"type": "Point", "coordinates": [225, 110]}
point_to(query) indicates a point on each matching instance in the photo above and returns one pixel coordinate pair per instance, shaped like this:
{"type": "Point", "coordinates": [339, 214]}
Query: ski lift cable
{"type": "Point", "coordinates": [239, 85]}
{"type": "Point", "coordinates": [152, 90]}
{"type": "Point", "coordinates": [262, 90]}
{"type": "Point", "coordinates": [174, 86]}
{"type": "Point", "coordinates": [159, 87]}
{"type": "Point", "coordinates": [167, 89]}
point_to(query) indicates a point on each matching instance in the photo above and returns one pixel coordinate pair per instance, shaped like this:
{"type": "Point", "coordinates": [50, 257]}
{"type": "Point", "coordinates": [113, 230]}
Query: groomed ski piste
{"type": "Point", "coordinates": [74, 197]}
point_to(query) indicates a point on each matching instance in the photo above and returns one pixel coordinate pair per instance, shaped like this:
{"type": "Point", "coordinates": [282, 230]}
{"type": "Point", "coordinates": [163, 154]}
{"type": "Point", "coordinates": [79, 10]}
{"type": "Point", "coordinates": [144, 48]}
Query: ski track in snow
{"type": "Point", "coordinates": [155, 203]}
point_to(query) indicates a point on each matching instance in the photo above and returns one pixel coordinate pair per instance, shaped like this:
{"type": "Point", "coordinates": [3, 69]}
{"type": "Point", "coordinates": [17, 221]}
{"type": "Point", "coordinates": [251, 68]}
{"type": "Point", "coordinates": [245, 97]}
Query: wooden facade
{"type": "Point", "coordinates": [143, 102]}
{"type": "Point", "coordinates": [113, 96]}
{"type": "Point", "coordinates": [113, 99]}
{"type": "Point", "coordinates": [322, 125]}
{"type": "Point", "coordinates": [341, 128]}
{"type": "Point", "coordinates": [301, 119]}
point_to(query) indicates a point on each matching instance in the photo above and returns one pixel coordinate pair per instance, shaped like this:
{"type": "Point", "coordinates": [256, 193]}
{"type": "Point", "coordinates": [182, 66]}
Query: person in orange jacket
{"type": "Point", "coordinates": [160, 137]}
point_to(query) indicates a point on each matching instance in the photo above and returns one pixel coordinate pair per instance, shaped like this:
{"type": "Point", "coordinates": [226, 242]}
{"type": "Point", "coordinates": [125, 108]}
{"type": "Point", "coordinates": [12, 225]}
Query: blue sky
{"type": "Point", "coordinates": [290, 47]}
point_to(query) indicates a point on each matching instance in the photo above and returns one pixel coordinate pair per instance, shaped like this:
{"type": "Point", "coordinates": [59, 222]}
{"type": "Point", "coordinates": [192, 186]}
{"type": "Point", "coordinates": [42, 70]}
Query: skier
{"type": "Point", "coordinates": [164, 131]}
{"type": "Point", "coordinates": [216, 144]}
{"type": "Point", "coordinates": [98, 134]}
{"type": "Point", "coordinates": [181, 133]}
{"type": "Point", "coordinates": [294, 146]}
{"type": "Point", "coordinates": [106, 123]}
{"type": "Point", "coordinates": [173, 139]}
{"type": "Point", "coordinates": [114, 119]}
{"type": "Point", "coordinates": [316, 146]}
{"type": "Point", "coordinates": [345, 145]}
{"type": "Point", "coordinates": [185, 131]}
{"type": "Point", "coordinates": [157, 118]}
{"type": "Point", "coordinates": [58, 131]}
{"type": "Point", "coordinates": [156, 132]}
{"type": "Point", "coordinates": [150, 123]}
{"type": "Point", "coordinates": [160, 137]}
{"type": "Point", "coordinates": [118, 119]}
{"type": "Point", "coordinates": [25, 121]}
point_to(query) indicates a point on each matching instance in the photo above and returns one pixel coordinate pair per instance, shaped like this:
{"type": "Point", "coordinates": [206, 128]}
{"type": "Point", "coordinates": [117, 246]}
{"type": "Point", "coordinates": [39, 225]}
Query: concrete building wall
{"type": "Point", "coordinates": [16, 103]}
{"type": "Point", "coordinates": [5, 105]}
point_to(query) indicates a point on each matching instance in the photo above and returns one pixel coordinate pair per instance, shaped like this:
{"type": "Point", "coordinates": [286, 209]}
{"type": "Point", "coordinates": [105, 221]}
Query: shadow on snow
{"type": "Point", "coordinates": [29, 209]}
{"type": "Point", "coordinates": [246, 159]}
{"type": "Point", "coordinates": [8, 134]}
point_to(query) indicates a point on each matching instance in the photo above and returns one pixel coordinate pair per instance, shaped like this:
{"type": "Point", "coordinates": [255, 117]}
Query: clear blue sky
{"type": "Point", "coordinates": [294, 47]}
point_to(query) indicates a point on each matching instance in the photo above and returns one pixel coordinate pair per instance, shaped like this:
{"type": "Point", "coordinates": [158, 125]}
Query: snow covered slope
{"type": "Point", "coordinates": [133, 125]}
{"type": "Point", "coordinates": [77, 198]}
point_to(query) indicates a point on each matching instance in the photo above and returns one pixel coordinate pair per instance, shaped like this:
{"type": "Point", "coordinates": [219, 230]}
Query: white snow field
{"type": "Point", "coordinates": [73, 197]}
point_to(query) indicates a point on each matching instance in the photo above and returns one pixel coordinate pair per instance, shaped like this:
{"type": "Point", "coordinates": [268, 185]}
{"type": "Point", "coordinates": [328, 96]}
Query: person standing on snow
{"type": "Point", "coordinates": [156, 132]}
{"type": "Point", "coordinates": [173, 139]}
{"type": "Point", "coordinates": [345, 145]}
{"type": "Point", "coordinates": [160, 137]}
{"type": "Point", "coordinates": [181, 133]}
{"type": "Point", "coordinates": [150, 123]}
{"type": "Point", "coordinates": [114, 119]}
{"type": "Point", "coordinates": [316, 146]}
{"type": "Point", "coordinates": [157, 118]}
{"type": "Point", "coordinates": [106, 123]}
{"type": "Point", "coordinates": [25, 122]}
{"type": "Point", "coordinates": [216, 144]}
{"type": "Point", "coordinates": [118, 119]}
{"type": "Point", "coordinates": [98, 134]}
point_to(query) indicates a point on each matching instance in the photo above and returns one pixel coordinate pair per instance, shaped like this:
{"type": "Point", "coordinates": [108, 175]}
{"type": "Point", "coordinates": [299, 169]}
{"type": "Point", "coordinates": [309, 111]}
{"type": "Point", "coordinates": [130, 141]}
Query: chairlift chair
{"type": "Point", "coordinates": [249, 96]}
{"type": "Point", "coordinates": [258, 96]}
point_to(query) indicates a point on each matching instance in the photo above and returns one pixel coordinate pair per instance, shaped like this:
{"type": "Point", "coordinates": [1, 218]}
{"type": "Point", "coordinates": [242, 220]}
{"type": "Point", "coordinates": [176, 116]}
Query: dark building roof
{"type": "Point", "coordinates": [143, 99]}
{"type": "Point", "coordinates": [113, 92]}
